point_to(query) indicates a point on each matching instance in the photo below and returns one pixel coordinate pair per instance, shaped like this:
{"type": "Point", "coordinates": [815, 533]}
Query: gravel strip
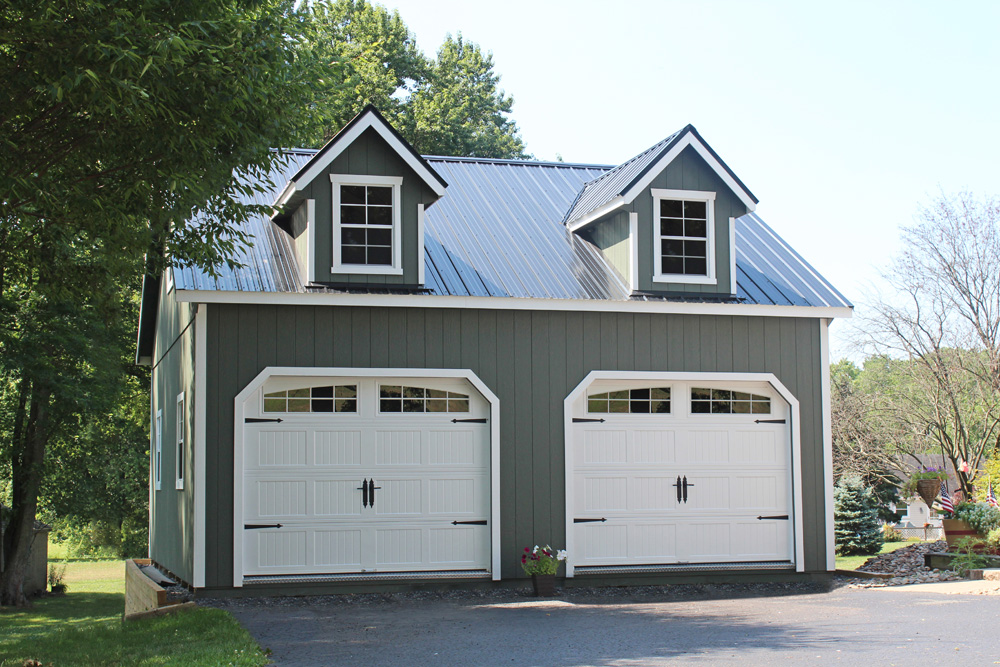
{"type": "Point", "coordinates": [907, 564]}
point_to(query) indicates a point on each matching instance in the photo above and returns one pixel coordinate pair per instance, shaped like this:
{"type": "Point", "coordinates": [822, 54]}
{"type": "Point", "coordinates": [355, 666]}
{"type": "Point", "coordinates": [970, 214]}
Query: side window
{"type": "Point", "coordinates": [157, 448]}
{"type": "Point", "coordinates": [331, 398]}
{"type": "Point", "coordinates": [397, 398]}
{"type": "Point", "coordinates": [646, 400]}
{"type": "Point", "coordinates": [179, 483]}
{"type": "Point", "coordinates": [728, 402]}
{"type": "Point", "coordinates": [683, 236]}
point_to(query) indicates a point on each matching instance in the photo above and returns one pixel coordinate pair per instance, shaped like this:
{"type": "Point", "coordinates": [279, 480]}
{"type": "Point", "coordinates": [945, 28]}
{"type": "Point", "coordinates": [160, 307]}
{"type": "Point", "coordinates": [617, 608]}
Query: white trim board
{"type": "Point", "coordinates": [824, 360]}
{"type": "Point", "coordinates": [708, 197]}
{"type": "Point", "coordinates": [647, 376]}
{"type": "Point", "coordinates": [507, 303]}
{"type": "Point", "coordinates": [338, 266]}
{"type": "Point", "coordinates": [199, 402]}
{"type": "Point", "coordinates": [262, 377]}
{"type": "Point", "coordinates": [340, 143]}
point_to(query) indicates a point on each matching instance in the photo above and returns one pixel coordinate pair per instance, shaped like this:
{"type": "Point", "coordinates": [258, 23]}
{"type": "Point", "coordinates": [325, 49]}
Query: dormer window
{"type": "Point", "coordinates": [683, 236]}
{"type": "Point", "coordinates": [366, 224]}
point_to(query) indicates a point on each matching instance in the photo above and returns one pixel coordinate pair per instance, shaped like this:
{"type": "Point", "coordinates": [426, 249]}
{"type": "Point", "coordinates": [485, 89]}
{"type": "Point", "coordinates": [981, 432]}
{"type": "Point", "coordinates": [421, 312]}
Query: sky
{"type": "Point", "coordinates": [842, 118]}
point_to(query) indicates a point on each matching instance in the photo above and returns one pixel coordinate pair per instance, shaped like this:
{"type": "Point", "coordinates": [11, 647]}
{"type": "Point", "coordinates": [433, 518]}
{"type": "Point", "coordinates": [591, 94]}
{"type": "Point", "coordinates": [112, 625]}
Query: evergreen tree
{"type": "Point", "coordinates": [856, 525]}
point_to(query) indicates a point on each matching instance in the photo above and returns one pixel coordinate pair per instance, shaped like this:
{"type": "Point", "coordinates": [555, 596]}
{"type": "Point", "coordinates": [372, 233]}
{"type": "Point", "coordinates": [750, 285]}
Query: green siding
{"type": "Point", "coordinates": [369, 155]}
{"type": "Point", "coordinates": [531, 360]}
{"type": "Point", "coordinates": [172, 511]}
{"type": "Point", "coordinates": [612, 237]}
{"type": "Point", "coordinates": [299, 227]}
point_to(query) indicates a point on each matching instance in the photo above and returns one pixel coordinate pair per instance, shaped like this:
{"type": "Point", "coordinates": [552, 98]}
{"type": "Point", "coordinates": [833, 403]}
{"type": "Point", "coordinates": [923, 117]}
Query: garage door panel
{"type": "Point", "coordinates": [457, 547]}
{"type": "Point", "coordinates": [280, 498]}
{"type": "Point", "coordinates": [653, 494]}
{"type": "Point", "coordinates": [338, 549]}
{"type": "Point", "coordinates": [708, 493]}
{"type": "Point", "coordinates": [278, 448]}
{"type": "Point", "coordinates": [605, 447]}
{"type": "Point", "coordinates": [653, 542]}
{"type": "Point", "coordinates": [336, 498]}
{"type": "Point", "coordinates": [398, 547]}
{"type": "Point", "coordinates": [337, 448]}
{"type": "Point", "coordinates": [762, 492]}
{"type": "Point", "coordinates": [762, 540]}
{"type": "Point", "coordinates": [703, 447]}
{"type": "Point", "coordinates": [456, 448]}
{"type": "Point", "coordinates": [761, 446]}
{"type": "Point", "coordinates": [398, 448]}
{"type": "Point", "coordinates": [604, 494]}
{"type": "Point", "coordinates": [279, 549]}
{"type": "Point", "coordinates": [707, 541]}
{"type": "Point", "coordinates": [454, 496]}
{"type": "Point", "coordinates": [602, 542]}
{"type": "Point", "coordinates": [656, 447]}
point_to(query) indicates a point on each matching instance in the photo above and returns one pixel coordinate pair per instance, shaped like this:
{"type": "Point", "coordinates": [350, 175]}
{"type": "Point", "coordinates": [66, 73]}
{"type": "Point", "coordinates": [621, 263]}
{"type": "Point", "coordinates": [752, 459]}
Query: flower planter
{"type": "Point", "coordinates": [955, 530]}
{"type": "Point", "coordinates": [544, 585]}
{"type": "Point", "coordinates": [928, 489]}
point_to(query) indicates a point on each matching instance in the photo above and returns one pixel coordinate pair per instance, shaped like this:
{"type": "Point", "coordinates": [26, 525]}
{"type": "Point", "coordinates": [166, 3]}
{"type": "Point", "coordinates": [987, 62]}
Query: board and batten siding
{"type": "Point", "coordinates": [171, 534]}
{"type": "Point", "coordinates": [369, 155]}
{"type": "Point", "coordinates": [612, 237]}
{"type": "Point", "coordinates": [531, 360]}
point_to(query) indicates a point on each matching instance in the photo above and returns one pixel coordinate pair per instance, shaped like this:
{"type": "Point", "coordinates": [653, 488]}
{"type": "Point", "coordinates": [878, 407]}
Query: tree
{"type": "Point", "coordinates": [127, 131]}
{"type": "Point", "coordinates": [459, 109]}
{"type": "Point", "coordinates": [448, 106]}
{"type": "Point", "coordinates": [937, 329]}
{"type": "Point", "coordinates": [855, 511]}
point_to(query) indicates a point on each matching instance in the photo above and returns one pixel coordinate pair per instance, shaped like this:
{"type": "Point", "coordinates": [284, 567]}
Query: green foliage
{"type": "Point", "coordinates": [936, 474]}
{"type": "Point", "coordinates": [451, 105]}
{"type": "Point", "coordinates": [856, 525]}
{"type": "Point", "coordinates": [969, 556]}
{"type": "Point", "coordinates": [541, 560]}
{"type": "Point", "coordinates": [982, 517]}
{"type": "Point", "coordinates": [891, 534]}
{"type": "Point", "coordinates": [993, 539]}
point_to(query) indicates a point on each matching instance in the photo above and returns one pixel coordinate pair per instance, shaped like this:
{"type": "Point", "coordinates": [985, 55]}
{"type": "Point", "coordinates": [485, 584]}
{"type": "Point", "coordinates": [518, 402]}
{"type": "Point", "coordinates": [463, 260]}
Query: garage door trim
{"type": "Point", "coordinates": [406, 373]}
{"type": "Point", "coordinates": [648, 376]}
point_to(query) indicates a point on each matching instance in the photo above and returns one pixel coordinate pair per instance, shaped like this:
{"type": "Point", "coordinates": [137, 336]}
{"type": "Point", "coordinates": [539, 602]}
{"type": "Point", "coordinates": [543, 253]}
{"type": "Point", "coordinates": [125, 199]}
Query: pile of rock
{"type": "Point", "coordinates": [907, 566]}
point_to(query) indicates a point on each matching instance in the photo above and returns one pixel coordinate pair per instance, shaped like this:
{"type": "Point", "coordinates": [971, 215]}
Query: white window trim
{"type": "Point", "coordinates": [179, 438]}
{"type": "Point", "coordinates": [158, 450]}
{"type": "Point", "coordinates": [690, 195]}
{"type": "Point", "coordinates": [337, 180]}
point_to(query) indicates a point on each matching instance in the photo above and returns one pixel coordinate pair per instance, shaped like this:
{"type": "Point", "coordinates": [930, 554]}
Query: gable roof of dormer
{"type": "Point", "coordinates": [622, 185]}
{"type": "Point", "coordinates": [368, 118]}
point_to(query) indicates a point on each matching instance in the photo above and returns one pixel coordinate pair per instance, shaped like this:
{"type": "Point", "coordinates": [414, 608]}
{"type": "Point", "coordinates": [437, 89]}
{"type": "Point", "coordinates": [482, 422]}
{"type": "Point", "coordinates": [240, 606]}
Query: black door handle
{"type": "Point", "coordinates": [371, 493]}
{"type": "Point", "coordinates": [686, 485]}
{"type": "Point", "coordinates": [677, 485]}
{"type": "Point", "coordinates": [364, 493]}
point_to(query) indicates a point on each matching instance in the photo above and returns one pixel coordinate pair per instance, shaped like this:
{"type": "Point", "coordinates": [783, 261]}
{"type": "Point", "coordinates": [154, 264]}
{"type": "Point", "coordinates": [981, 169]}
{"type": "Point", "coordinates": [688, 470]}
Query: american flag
{"type": "Point", "coordinates": [990, 498]}
{"type": "Point", "coordinates": [946, 503]}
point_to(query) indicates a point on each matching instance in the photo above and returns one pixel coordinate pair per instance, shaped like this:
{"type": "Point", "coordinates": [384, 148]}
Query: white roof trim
{"type": "Point", "coordinates": [505, 303]}
{"type": "Point", "coordinates": [596, 214]}
{"type": "Point", "coordinates": [330, 153]}
{"type": "Point", "coordinates": [690, 139]}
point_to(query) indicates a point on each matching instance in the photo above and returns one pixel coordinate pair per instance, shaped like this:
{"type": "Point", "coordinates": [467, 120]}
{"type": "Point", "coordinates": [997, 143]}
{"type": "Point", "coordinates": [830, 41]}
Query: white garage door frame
{"type": "Point", "coordinates": [405, 373]}
{"type": "Point", "coordinates": [644, 376]}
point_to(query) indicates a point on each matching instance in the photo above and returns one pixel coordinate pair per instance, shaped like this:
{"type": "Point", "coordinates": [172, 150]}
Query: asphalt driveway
{"type": "Point", "coordinates": [915, 625]}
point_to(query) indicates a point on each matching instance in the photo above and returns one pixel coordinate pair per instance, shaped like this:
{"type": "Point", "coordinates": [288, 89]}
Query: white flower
{"type": "Point", "coordinates": [535, 550]}
{"type": "Point", "coordinates": [561, 555]}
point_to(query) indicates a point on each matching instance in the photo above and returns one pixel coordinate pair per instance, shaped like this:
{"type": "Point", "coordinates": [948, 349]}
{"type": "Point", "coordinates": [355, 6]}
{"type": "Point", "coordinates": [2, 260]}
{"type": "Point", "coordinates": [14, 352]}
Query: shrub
{"type": "Point", "coordinates": [968, 557]}
{"type": "Point", "coordinates": [856, 526]}
{"type": "Point", "coordinates": [891, 534]}
{"type": "Point", "coordinates": [993, 539]}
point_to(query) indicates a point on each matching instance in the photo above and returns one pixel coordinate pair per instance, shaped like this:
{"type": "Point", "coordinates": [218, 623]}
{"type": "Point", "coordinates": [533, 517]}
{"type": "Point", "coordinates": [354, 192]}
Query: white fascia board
{"type": "Point", "coordinates": [421, 260]}
{"type": "Point", "coordinates": [239, 423]}
{"type": "Point", "coordinates": [200, 475]}
{"type": "Point", "coordinates": [290, 189]}
{"type": "Point", "coordinates": [506, 303]}
{"type": "Point", "coordinates": [596, 214]}
{"type": "Point", "coordinates": [732, 255]}
{"type": "Point", "coordinates": [824, 360]}
{"type": "Point", "coordinates": [311, 239]}
{"type": "Point", "coordinates": [690, 140]}
{"type": "Point", "coordinates": [345, 140]}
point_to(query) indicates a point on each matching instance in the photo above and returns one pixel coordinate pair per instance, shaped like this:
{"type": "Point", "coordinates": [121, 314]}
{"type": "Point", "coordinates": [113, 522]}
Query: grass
{"type": "Point", "coordinates": [854, 562]}
{"type": "Point", "coordinates": [84, 628]}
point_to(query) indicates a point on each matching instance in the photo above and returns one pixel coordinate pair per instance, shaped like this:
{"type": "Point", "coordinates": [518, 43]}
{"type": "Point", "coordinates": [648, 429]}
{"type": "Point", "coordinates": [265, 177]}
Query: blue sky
{"type": "Point", "coordinates": [842, 118]}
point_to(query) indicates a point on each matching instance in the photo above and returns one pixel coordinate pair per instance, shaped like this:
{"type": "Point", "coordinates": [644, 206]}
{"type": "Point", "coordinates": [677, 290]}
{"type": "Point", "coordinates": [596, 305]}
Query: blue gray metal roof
{"type": "Point", "coordinates": [498, 232]}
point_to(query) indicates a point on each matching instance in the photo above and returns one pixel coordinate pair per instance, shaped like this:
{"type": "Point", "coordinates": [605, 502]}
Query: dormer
{"type": "Point", "coordinates": [356, 208]}
{"type": "Point", "coordinates": [666, 218]}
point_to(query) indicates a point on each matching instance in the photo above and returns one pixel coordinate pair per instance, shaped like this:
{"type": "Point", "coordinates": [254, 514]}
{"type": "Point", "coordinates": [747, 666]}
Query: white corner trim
{"type": "Point", "coordinates": [732, 255]}
{"type": "Point", "coordinates": [506, 303]}
{"type": "Point", "coordinates": [596, 214]}
{"type": "Point", "coordinates": [824, 360]}
{"type": "Point", "coordinates": [311, 240]}
{"type": "Point", "coordinates": [238, 445]}
{"type": "Point", "coordinates": [770, 378]}
{"type": "Point", "coordinates": [199, 402]}
{"type": "Point", "coordinates": [706, 196]}
{"type": "Point", "coordinates": [396, 182]}
{"type": "Point", "coordinates": [340, 143]}
{"type": "Point", "coordinates": [158, 451]}
{"type": "Point", "coordinates": [633, 248]}
{"type": "Point", "coordinates": [421, 260]}
{"type": "Point", "coordinates": [690, 140]}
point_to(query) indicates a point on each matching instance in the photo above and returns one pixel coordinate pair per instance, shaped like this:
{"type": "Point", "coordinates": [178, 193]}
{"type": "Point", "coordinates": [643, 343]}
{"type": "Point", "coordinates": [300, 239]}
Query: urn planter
{"type": "Point", "coordinates": [955, 530]}
{"type": "Point", "coordinates": [544, 585]}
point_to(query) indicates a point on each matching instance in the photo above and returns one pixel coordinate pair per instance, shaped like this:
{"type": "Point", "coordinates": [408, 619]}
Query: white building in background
{"type": "Point", "coordinates": [915, 513]}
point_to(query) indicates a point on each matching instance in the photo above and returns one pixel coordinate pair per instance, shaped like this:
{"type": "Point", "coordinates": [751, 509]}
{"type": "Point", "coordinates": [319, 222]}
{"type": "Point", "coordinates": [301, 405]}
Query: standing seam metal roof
{"type": "Point", "coordinates": [498, 231]}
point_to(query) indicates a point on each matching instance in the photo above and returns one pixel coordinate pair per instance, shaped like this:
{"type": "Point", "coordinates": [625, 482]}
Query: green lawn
{"type": "Point", "coordinates": [854, 562]}
{"type": "Point", "coordinates": [84, 627]}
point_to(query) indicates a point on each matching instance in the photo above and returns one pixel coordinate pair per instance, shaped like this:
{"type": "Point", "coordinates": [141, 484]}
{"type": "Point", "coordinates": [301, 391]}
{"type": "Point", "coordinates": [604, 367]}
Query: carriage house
{"type": "Point", "coordinates": [426, 364]}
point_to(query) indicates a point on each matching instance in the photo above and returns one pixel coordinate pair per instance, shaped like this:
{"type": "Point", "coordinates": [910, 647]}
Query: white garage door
{"type": "Point", "coordinates": [365, 475]}
{"type": "Point", "coordinates": [672, 473]}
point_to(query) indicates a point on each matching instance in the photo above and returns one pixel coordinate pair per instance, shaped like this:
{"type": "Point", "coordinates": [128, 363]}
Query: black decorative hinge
{"type": "Point", "coordinates": [469, 421]}
{"type": "Point", "coordinates": [258, 526]}
{"type": "Point", "coordinates": [769, 421]}
{"type": "Point", "coordinates": [259, 420]}
{"type": "Point", "coordinates": [481, 522]}
{"type": "Point", "coordinates": [577, 420]}
{"type": "Point", "coordinates": [780, 516]}
{"type": "Point", "coordinates": [589, 520]}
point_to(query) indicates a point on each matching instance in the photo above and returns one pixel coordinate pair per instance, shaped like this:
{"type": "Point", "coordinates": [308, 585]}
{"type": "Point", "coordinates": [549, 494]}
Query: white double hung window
{"type": "Point", "coordinates": [366, 224]}
{"type": "Point", "coordinates": [157, 449]}
{"type": "Point", "coordinates": [179, 437]}
{"type": "Point", "coordinates": [683, 236]}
